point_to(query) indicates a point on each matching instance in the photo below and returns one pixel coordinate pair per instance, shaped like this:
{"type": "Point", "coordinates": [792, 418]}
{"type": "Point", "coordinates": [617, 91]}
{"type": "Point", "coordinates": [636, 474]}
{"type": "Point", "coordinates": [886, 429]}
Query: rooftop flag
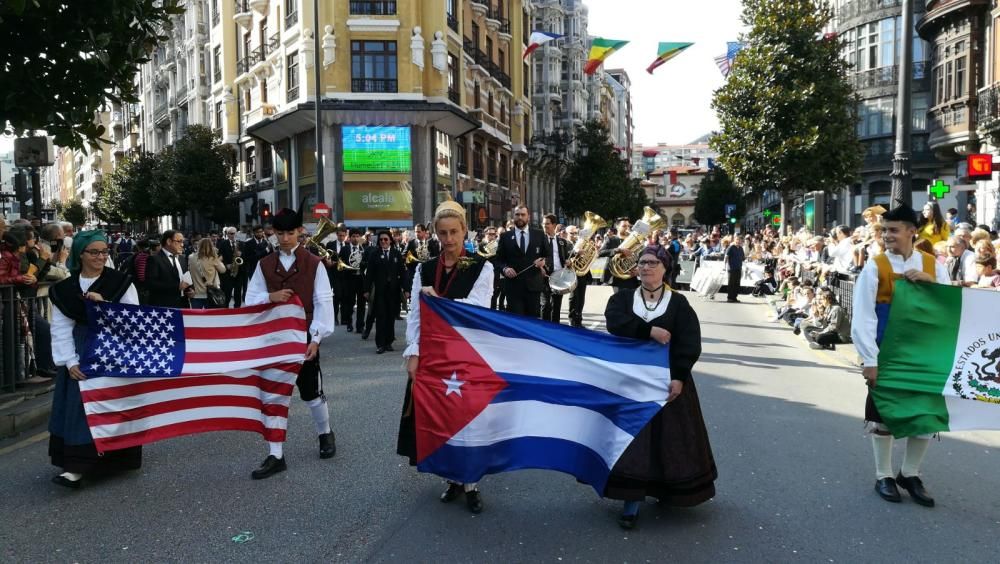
{"type": "Point", "coordinates": [537, 39]}
{"type": "Point", "coordinates": [665, 52]}
{"type": "Point", "coordinates": [725, 62]}
{"type": "Point", "coordinates": [601, 49]}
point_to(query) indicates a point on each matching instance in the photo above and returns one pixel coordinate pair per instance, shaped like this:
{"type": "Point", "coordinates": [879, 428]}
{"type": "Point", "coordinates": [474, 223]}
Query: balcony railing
{"type": "Point", "coordinates": [373, 85]}
{"type": "Point", "coordinates": [477, 168]}
{"type": "Point", "coordinates": [469, 47]}
{"type": "Point", "coordinates": [216, 74]}
{"type": "Point", "coordinates": [373, 7]}
{"type": "Point", "coordinates": [291, 18]}
{"type": "Point", "coordinates": [454, 96]}
{"type": "Point", "coordinates": [453, 22]}
{"type": "Point", "coordinates": [951, 118]}
{"type": "Point", "coordinates": [293, 93]}
{"type": "Point", "coordinates": [988, 114]}
{"type": "Point", "coordinates": [886, 76]}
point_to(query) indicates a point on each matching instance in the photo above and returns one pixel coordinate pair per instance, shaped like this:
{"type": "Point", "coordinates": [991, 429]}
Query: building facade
{"type": "Point", "coordinates": [987, 194]}
{"type": "Point", "coordinates": [648, 158]}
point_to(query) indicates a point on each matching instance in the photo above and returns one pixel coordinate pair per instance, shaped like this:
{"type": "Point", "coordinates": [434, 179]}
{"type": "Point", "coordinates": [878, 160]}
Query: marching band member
{"type": "Point", "coordinates": [671, 458]}
{"type": "Point", "coordinates": [353, 255]}
{"type": "Point", "coordinates": [295, 270]}
{"type": "Point", "coordinates": [384, 278]}
{"type": "Point", "coordinates": [456, 276]}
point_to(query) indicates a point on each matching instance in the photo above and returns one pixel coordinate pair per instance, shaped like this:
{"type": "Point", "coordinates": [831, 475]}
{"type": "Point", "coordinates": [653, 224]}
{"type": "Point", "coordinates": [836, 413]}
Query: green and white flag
{"type": "Point", "coordinates": [939, 361]}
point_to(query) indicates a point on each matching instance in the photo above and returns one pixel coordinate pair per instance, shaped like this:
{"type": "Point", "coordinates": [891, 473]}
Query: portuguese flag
{"type": "Point", "coordinates": [939, 361]}
{"type": "Point", "coordinates": [601, 49]}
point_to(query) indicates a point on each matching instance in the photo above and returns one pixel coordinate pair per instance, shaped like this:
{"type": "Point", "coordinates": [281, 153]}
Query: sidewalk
{"type": "Point", "coordinates": [25, 409]}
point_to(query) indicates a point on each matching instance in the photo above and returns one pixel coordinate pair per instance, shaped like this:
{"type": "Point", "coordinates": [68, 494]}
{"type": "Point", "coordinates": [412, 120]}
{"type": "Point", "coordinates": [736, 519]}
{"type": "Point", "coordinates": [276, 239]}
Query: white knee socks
{"type": "Point", "coordinates": [882, 446]}
{"type": "Point", "coordinates": [321, 415]}
{"type": "Point", "coordinates": [276, 449]}
{"type": "Point", "coordinates": [916, 448]}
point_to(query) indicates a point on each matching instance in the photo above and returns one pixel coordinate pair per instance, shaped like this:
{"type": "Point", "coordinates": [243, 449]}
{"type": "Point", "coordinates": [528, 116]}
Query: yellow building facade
{"type": "Point", "coordinates": [421, 100]}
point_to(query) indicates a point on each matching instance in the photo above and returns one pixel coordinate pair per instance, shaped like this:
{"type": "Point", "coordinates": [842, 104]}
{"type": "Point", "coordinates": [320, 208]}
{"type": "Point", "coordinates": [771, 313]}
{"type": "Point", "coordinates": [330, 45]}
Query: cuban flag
{"type": "Point", "coordinates": [496, 392]}
{"type": "Point", "coordinates": [154, 373]}
{"type": "Point", "coordinates": [537, 39]}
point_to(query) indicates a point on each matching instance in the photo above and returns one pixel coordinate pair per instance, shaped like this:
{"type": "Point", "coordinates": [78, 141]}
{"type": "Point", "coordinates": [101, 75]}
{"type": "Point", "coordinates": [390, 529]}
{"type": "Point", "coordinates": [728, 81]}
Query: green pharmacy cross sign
{"type": "Point", "coordinates": [767, 213]}
{"type": "Point", "coordinates": [939, 189]}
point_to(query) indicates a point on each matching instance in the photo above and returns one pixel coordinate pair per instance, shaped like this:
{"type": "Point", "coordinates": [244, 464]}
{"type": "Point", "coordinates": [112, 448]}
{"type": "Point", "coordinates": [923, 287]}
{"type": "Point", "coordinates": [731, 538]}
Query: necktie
{"type": "Point", "coordinates": [385, 255]}
{"type": "Point", "coordinates": [174, 259]}
{"type": "Point", "coordinates": [524, 248]}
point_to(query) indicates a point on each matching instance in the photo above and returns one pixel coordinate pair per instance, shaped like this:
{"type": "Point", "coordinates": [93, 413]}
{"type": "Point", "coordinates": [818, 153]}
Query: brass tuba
{"type": "Point", "coordinates": [622, 266]}
{"type": "Point", "coordinates": [489, 250]}
{"type": "Point", "coordinates": [585, 251]}
{"type": "Point", "coordinates": [423, 254]}
{"type": "Point", "coordinates": [323, 230]}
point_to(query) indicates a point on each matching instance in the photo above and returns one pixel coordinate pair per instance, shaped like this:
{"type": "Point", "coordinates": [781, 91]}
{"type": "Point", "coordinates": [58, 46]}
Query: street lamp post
{"type": "Point", "coordinates": [318, 70]}
{"type": "Point", "coordinates": [901, 179]}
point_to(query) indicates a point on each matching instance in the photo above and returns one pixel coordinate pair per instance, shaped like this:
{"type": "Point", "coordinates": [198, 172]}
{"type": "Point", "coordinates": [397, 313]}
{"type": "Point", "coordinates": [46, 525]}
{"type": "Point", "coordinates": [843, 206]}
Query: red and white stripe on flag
{"type": "Point", "coordinates": [239, 373]}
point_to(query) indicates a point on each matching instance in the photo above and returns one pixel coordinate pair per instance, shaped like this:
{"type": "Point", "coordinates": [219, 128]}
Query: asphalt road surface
{"type": "Point", "coordinates": [796, 481]}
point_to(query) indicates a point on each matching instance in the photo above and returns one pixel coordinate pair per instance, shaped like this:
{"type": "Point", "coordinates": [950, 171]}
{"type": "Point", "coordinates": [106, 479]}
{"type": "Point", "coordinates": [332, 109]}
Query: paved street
{"type": "Point", "coordinates": [795, 482]}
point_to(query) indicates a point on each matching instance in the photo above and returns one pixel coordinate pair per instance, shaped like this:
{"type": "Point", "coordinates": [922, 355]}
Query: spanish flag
{"type": "Point", "coordinates": [600, 49]}
{"type": "Point", "coordinates": [665, 52]}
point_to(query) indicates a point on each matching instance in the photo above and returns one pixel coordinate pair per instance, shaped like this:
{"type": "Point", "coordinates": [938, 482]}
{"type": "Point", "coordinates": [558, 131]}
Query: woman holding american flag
{"type": "Point", "coordinates": [71, 445]}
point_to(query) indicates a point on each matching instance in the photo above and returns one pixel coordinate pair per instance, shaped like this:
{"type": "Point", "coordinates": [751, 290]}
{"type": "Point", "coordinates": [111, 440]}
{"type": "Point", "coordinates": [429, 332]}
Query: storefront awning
{"type": "Point", "coordinates": [445, 118]}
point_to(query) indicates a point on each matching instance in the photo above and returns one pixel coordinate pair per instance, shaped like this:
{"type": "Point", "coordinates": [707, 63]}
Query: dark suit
{"type": "Point", "coordinates": [524, 290]}
{"type": "Point", "coordinates": [227, 252]}
{"type": "Point", "coordinates": [336, 277]}
{"type": "Point", "coordinates": [384, 279]}
{"type": "Point", "coordinates": [552, 303]}
{"type": "Point", "coordinates": [609, 250]}
{"type": "Point", "coordinates": [353, 285]}
{"type": "Point", "coordinates": [253, 251]}
{"type": "Point", "coordinates": [163, 281]}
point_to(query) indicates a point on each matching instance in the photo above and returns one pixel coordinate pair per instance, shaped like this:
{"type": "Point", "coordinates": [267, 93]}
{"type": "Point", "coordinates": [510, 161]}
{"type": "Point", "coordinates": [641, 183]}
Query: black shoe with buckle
{"type": "Point", "coordinates": [451, 494]}
{"type": "Point", "coordinates": [887, 490]}
{"type": "Point", "coordinates": [474, 501]}
{"type": "Point", "coordinates": [327, 445]}
{"type": "Point", "coordinates": [915, 487]}
{"type": "Point", "coordinates": [271, 466]}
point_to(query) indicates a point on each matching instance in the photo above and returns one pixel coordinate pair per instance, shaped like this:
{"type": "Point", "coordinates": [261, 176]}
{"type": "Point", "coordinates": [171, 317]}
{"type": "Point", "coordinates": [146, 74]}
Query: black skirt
{"type": "Point", "coordinates": [406, 442]}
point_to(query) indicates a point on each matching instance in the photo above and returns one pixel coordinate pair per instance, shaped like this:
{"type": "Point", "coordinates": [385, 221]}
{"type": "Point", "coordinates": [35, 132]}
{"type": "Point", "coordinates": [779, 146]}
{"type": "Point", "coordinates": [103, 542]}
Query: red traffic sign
{"type": "Point", "coordinates": [322, 210]}
{"type": "Point", "coordinates": [981, 167]}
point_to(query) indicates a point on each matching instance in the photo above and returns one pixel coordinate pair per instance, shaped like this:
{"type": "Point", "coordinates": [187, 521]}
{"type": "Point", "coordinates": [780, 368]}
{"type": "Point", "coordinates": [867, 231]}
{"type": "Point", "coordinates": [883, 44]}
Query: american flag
{"type": "Point", "coordinates": [155, 373]}
{"type": "Point", "coordinates": [725, 62]}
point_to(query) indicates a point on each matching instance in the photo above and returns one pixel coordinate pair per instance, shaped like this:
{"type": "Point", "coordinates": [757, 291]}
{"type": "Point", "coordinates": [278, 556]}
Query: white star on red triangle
{"type": "Point", "coordinates": [454, 385]}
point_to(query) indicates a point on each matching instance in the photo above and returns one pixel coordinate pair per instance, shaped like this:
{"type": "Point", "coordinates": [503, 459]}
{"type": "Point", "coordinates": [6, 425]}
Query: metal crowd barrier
{"type": "Point", "coordinates": [843, 287]}
{"type": "Point", "coordinates": [21, 321]}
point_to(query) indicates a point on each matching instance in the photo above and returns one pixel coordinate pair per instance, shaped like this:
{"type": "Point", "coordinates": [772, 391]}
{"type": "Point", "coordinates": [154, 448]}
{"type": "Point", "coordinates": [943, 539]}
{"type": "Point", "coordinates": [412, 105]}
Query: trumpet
{"type": "Point", "coordinates": [234, 268]}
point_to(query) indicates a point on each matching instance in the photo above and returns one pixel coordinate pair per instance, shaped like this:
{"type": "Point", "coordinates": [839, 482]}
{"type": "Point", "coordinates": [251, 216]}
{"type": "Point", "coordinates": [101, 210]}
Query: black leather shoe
{"type": "Point", "coordinates": [474, 501]}
{"type": "Point", "coordinates": [451, 494]}
{"type": "Point", "coordinates": [66, 482]}
{"type": "Point", "coordinates": [915, 487]}
{"type": "Point", "coordinates": [327, 445]}
{"type": "Point", "coordinates": [389, 348]}
{"type": "Point", "coordinates": [269, 467]}
{"type": "Point", "coordinates": [380, 350]}
{"type": "Point", "coordinates": [887, 490]}
{"type": "Point", "coordinates": [350, 329]}
{"type": "Point", "coordinates": [628, 522]}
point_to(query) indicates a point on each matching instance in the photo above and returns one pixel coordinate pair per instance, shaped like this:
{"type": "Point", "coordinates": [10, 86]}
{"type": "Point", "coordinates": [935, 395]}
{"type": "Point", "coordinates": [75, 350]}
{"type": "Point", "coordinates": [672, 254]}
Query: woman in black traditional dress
{"type": "Point", "coordinates": [671, 458]}
{"type": "Point", "coordinates": [71, 446]}
{"type": "Point", "coordinates": [456, 275]}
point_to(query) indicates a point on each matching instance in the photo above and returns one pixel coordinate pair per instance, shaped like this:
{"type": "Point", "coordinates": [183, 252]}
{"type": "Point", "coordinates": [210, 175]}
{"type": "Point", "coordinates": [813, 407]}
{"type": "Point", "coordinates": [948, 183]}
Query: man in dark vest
{"type": "Point", "coordinates": [293, 270]}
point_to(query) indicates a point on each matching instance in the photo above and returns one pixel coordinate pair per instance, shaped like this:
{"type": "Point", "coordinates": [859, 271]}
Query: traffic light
{"type": "Point", "coordinates": [732, 220]}
{"type": "Point", "coordinates": [265, 212]}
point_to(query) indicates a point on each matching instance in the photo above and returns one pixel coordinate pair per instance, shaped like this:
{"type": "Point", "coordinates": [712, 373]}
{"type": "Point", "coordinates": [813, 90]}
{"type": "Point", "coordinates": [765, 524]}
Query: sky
{"type": "Point", "coordinates": [673, 105]}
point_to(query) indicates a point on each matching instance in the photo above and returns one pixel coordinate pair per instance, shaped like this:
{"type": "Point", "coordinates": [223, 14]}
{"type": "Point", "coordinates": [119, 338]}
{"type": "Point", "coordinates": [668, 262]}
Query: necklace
{"type": "Point", "coordinates": [649, 310]}
{"type": "Point", "coordinates": [653, 291]}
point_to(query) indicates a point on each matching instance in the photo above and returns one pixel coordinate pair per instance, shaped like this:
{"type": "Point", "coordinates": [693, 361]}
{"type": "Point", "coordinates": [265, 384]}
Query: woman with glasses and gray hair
{"type": "Point", "coordinates": [671, 458]}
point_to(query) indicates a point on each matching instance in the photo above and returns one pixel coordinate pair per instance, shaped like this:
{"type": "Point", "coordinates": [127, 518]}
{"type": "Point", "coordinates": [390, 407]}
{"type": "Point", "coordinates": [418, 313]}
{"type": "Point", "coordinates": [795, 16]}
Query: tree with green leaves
{"type": "Point", "coordinates": [716, 192]}
{"type": "Point", "coordinates": [197, 175]}
{"type": "Point", "coordinates": [598, 179]}
{"type": "Point", "coordinates": [74, 212]}
{"type": "Point", "coordinates": [787, 113]}
{"type": "Point", "coordinates": [64, 60]}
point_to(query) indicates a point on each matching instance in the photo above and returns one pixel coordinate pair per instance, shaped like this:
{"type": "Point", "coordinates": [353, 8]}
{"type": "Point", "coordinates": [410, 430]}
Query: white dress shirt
{"type": "Point", "coordinates": [864, 323]}
{"type": "Point", "coordinates": [969, 266]}
{"type": "Point", "coordinates": [556, 263]}
{"type": "Point", "coordinates": [843, 255]}
{"type": "Point", "coordinates": [481, 294]}
{"type": "Point", "coordinates": [63, 348]}
{"type": "Point", "coordinates": [322, 325]}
